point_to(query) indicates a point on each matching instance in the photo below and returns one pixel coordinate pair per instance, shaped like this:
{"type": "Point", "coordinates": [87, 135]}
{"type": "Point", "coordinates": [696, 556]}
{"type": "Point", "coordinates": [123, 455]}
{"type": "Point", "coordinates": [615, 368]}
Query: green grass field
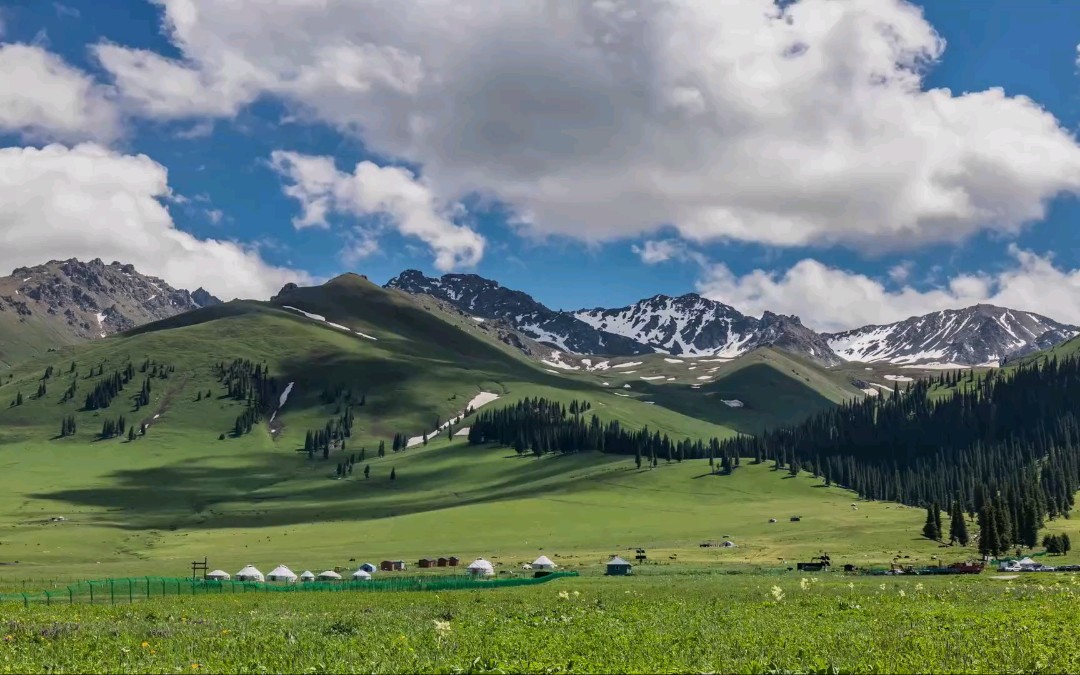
{"type": "Point", "coordinates": [789, 623]}
{"type": "Point", "coordinates": [151, 506]}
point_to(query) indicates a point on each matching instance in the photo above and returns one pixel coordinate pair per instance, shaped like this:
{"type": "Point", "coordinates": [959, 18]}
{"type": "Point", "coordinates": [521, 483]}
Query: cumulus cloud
{"type": "Point", "coordinates": [805, 123]}
{"type": "Point", "coordinates": [90, 202]}
{"type": "Point", "coordinates": [372, 190]}
{"type": "Point", "coordinates": [831, 299]}
{"type": "Point", "coordinates": [44, 98]}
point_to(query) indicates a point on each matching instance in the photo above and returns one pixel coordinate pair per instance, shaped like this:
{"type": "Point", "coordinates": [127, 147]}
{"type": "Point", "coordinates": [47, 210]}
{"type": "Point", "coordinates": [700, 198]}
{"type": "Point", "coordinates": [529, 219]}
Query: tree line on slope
{"type": "Point", "coordinates": [1004, 449]}
{"type": "Point", "coordinates": [540, 425]}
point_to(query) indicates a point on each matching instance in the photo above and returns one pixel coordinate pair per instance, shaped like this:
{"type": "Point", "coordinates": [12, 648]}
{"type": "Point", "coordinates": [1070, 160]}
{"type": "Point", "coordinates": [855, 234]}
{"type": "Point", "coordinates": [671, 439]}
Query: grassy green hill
{"type": "Point", "coordinates": [182, 491]}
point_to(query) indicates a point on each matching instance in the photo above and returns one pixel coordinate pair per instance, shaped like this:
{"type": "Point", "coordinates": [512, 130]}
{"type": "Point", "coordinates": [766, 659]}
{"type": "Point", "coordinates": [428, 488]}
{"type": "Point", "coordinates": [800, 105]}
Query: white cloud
{"type": "Point", "coordinates": [607, 119]}
{"type": "Point", "coordinates": [831, 299]}
{"type": "Point", "coordinates": [43, 98]}
{"type": "Point", "coordinates": [656, 251]}
{"type": "Point", "coordinates": [90, 202]}
{"type": "Point", "coordinates": [373, 190]}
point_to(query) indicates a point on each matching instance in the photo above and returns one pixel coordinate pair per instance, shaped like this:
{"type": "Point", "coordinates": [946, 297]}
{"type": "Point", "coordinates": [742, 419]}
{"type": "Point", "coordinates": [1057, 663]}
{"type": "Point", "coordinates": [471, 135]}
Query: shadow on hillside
{"type": "Point", "coordinates": [183, 496]}
{"type": "Point", "coordinates": [771, 399]}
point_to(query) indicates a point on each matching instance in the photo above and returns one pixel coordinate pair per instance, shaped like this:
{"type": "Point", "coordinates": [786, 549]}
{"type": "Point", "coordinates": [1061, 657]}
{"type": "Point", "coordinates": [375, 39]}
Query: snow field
{"type": "Point", "coordinates": [483, 398]}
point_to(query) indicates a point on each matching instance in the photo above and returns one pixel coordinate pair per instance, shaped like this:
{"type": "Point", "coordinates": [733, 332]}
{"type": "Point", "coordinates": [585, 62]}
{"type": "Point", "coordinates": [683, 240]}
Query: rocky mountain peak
{"type": "Point", "coordinates": [86, 300]}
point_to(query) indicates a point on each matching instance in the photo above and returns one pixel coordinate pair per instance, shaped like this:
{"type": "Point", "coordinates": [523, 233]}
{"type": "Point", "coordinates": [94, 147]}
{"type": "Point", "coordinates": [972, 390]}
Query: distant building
{"type": "Point", "coordinates": [425, 563]}
{"type": "Point", "coordinates": [453, 561]}
{"type": "Point", "coordinates": [249, 573]}
{"type": "Point", "coordinates": [543, 563]}
{"type": "Point", "coordinates": [480, 568]}
{"type": "Point", "coordinates": [392, 565]}
{"type": "Point", "coordinates": [618, 567]}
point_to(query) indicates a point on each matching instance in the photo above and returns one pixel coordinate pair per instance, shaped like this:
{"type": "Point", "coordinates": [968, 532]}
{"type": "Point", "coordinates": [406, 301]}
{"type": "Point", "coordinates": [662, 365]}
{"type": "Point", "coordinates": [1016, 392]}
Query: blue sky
{"type": "Point", "coordinates": [219, 164]}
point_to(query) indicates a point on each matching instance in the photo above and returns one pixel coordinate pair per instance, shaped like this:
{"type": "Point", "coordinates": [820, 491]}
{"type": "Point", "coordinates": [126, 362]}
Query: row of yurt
{"type": "Point", "coordinates": [283, 573]}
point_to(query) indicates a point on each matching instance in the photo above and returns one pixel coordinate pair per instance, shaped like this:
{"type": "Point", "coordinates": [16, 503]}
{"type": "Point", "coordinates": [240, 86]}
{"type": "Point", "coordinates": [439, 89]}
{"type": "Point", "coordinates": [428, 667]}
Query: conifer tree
{"type": "Point", "coordinates": [958, 533]}
{"type": "Point", "coordinates": [930, 529]}
{"type": "Point", "coordinates": [393, 473]}
{"type": "Point", "coordinates": [367, 471]}
{"type": "Point", "coordinates": [936, 509]}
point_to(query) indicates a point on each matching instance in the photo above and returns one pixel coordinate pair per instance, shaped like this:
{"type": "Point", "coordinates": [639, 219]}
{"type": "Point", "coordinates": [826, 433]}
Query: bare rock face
{"type": "Point", "coordinates": [93, 300]}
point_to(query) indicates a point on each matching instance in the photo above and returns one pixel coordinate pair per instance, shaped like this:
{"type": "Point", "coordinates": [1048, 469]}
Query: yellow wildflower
{"type": "Point", "coordinates": [145, 644]}
{"type": "Point", "coordinates": [804, 583]}
{"type": "Point", "coordinates": [564, 595]}
{"type": "Point", "coordinates": [777, 593]}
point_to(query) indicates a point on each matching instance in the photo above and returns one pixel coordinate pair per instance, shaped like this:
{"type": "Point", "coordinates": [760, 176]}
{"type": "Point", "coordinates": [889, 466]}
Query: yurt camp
{"type": "Point", "coordinates": [281, 573]}
{"type": "Point", "coordinates": [249, 573]}
{"type": "Point", "coordinates": [480, 568]}
{"type": "Point", "coordinates": [361, 575]}
{"type": "Point", "coordinates": [329, 575]}
{"type": "Point", "coordinates": [218, 575]}
{"type": "Point", "coordinates": [369, 568]}
{"type": "Point", "coordinates": [307, 576]}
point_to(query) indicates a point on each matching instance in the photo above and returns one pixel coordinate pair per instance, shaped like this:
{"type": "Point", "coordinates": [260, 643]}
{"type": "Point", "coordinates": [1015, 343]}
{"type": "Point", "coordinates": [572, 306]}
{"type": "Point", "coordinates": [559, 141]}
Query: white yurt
{"type": "Point", "coordinates": [307, 576]}
{"type": "Point", "coordinates": [480, 568]}
{"type": "Point", "coordinates": [543, 563]}
{"type": "Point", "coordinates": [281, 573]}
{"type": "Point", "coordinates": [361, 575]}
{"type": "Point", "coordinates": [218, 575]}
{"type": "Point", "coordinates": [329, 575]}
{"type": "Point", "coordinates": [249, 573]}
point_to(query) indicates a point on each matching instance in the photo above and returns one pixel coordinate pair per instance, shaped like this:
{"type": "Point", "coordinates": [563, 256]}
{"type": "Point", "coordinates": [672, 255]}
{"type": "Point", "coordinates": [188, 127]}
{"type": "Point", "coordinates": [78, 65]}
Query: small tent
{"type": "Point", "coordinates": [369, 568]}
{"type": "Point", "coordinates": [329, 575]}
{"type": "Point", "coordinates": [307, 576]}
{"type": "Point", "coordinates": [480, 568]}
{"type": "Point", "coordinates": [543, 563]}
{"type": "Point", "coordinates": [618, 567]}
{"type": "Point", "coordinates": [281, 573]}
{"type": "Point", "coordinates": [249, 573]}
{"type": "Point", "coordinates": [361, 575]}
{"type": "Point", "coordinates": [728, 544]}
{"type": "Point", "coordinates": [218, 575]}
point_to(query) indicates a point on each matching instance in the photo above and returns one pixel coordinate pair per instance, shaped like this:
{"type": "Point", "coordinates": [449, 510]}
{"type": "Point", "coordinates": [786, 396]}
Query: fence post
{"type": "Point", "coordinates": [148, 587]}
{"type": "Point", "coordinates": [131, 595]}
{"type": "Point", "coordinates": [112, 592]}
{"type": "Point", "coordinates": [71, 596]}
{"type": "Point", "coordinates": [26, 600]}
{"type": "Point", "coordinates": [91, 585]}
{"type": "Point", "coordinates": [48, 599]}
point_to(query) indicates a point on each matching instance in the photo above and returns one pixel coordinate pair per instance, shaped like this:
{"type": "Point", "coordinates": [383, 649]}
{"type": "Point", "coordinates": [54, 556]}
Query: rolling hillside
{"type": "Point", "coordinates": [190, 487]}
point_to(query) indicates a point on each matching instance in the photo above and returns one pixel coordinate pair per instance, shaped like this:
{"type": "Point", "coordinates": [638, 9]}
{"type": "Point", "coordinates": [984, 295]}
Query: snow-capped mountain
{"type": "Point", "coordinates": [486, 299]}
{"type": "Point", "coordinates": [689, 325]}
{"type": "Point", "coordinates": [978, 335]}
{"type": "Point", "coordinates": [693, 326]}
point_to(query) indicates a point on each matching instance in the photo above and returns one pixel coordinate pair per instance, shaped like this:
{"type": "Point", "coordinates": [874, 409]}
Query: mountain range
{"type": "Point", "coordinates": [691, 325]}
{"type": "Point", "coordinates": [64, 302]}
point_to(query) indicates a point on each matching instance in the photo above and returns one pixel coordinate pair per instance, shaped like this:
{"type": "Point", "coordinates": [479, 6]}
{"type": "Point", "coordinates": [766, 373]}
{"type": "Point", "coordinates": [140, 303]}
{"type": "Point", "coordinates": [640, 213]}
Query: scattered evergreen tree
{"type": "Point", "coordinates": [367, 471]}
{"type": "Point", "coordinates": [930, 529]}
{"type": "Point", "coordinates": [958, 533]}
{"type": "Point", "coordinates": [393, 473]}
{"type": "Point", "coordinates": [131, 434]}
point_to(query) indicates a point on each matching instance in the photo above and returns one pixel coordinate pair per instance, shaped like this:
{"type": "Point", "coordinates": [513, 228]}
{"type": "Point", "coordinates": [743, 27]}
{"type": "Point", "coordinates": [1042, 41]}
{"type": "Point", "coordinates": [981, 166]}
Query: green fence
{"type": "Point", "coordinates": [114, 591]}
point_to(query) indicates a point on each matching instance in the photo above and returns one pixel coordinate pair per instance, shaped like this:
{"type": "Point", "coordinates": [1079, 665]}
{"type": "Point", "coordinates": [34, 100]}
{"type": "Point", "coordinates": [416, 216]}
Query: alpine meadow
{"type": "Point", "coordinates": [689, 336]}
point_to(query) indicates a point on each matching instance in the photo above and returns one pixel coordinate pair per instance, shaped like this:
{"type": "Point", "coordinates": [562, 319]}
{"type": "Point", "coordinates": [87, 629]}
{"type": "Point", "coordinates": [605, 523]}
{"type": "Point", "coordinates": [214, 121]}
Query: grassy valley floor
{"type": "Point", "coordinates": [789, 623]}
